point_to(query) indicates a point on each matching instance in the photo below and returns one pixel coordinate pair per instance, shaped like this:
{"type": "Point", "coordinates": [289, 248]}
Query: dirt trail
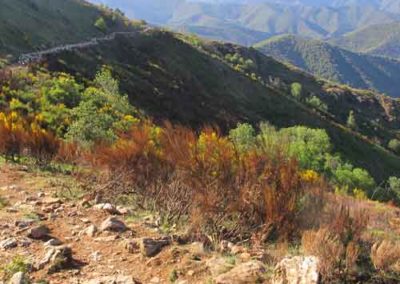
{"type": "Point", "coordinates": [103, 255]}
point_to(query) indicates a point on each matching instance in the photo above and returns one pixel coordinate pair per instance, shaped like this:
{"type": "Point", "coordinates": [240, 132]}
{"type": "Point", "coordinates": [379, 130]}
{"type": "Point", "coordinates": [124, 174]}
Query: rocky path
{"type": "Point", "coordinates": [78, 241]}
{"type": "Point", "coordinates": [38, 56]}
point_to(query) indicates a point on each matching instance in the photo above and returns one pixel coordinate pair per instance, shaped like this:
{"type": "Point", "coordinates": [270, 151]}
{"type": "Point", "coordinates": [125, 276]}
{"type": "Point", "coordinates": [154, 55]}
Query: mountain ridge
{"type": "Point", "coordinates": [380, 40]}
{"type": "Point", "coordinates": [336, 64]}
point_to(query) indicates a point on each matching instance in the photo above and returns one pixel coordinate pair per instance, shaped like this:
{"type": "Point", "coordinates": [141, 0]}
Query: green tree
{"type": "Point", "coordinates": [296, 90]}
{"type": "Point", "coordinates": [309, 146]}
{"type": "Point", "coordinates": [243, 137]}
{"type": "Point", "coordinates": [101, 24]}
{"type": "Point", "coordinates": [102, 112]}
{"type": "Point", "coordinates": [394, 145]}
{"type": "Point", "coordinates": [347, 175]}
{"type": "Point", "coordinates": [351, 121]}
{"type": "Point", "coordinates": [316, 103]}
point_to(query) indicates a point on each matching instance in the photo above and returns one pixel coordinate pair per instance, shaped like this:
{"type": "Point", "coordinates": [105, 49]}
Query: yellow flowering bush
{"type": "Point", "coordinates": [12, 135]}
{"type": "Point", "coordinates": [309, 176]}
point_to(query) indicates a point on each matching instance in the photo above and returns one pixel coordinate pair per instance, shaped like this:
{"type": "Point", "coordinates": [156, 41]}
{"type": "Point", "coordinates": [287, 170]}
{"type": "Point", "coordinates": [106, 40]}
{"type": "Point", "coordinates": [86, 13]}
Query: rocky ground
{"type": "Point", "coordinates": [62, 235]}
{"type": "Point", "coordinates": [65, 237]}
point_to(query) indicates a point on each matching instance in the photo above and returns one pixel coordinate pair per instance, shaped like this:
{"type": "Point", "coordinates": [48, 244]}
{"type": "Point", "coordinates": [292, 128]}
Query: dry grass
{"type": "Point", "coordinates": [385, 256]}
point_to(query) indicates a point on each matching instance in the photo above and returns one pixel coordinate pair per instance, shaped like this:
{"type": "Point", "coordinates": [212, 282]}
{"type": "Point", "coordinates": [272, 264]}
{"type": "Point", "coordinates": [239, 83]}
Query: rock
{"type": "Point", "coordinates": [57, 258]}
{"type": "Point", "coordinates": [245, 273]}
{"type": "Point", "coordinates": [24, 223]}
{"type": "Point", "coordinates": [123, 210]}
{"type": "Point", "coordinates": [18, 278]}
{"type": "Point", "coordinates": [298, 269]}
{"type": "Point", "coordinates": [9, 243]}
{"type": "Point", "coordinates": [46, 259]}
{"type": "Point", "coordinates": [39, 232]}
{"type": "Point", "coordinates": [113, 224]}
{"type": "Point", "coordinates": [217, 266]}
{"type": "Point", "coordinates": [53, 243]}
{"type": "Point", "coordinates": [51, 201]}
{"type": "Point", "coordinates": [90, 231]}
{"type": "Point", "coordinates": [85, 220]}
{"type": "Point", "coordinates": [118, 279]}
{"type": "Point", "coordinates": [151, 247]}
{"type": "Point", "coordinates": [108, 208]}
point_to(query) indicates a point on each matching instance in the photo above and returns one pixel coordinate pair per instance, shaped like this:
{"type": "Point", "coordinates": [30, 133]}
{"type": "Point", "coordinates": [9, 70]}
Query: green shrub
{"type": "Point", "coordinates": [351, 121]}
{"type": "Point", "coordinates": [354, 178]}
{"type": "Point", "coordinates": [296, 90]}
{"type": "Point", "coordinates": [308, 146]}
{"type": "Point", "coordinates": [243, 137]}
{"type": "Point", "coordinates": [394, 145]}
{"type": "Point", "coordinates": [102, 112]}
{"type": "Point", "coordinates": [18, 264]}
{"type": "Point", "coordinates": [316, 103]}
{"type": "Point", "coordinates": [101, 24]}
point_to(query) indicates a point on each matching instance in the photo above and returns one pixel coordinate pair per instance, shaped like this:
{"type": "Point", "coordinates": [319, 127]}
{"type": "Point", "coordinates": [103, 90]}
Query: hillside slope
{"type": "Point", "coordinates": [169, 78]}
{"type": "Point", "coordinates": [189, 81]}
{"type": "Point", "coordinates": [29, 25]}
{"type": "Point", "coordinates": [336, 64]}
{"type": "Point", "coordinates": [382, 40]}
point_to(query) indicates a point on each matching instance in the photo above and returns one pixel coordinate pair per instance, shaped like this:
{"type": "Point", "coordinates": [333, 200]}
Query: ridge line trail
{"type": "Point", "coordinates": [26, 58]}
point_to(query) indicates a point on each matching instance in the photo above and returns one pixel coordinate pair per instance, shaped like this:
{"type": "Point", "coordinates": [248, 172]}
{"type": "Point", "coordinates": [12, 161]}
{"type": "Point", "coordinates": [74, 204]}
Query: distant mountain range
{"type": "Point", "coordinates": [383, 40]}
{"type": "Point", "coordinates": [336, 64]}
{"type": "Point", "coordinates": [230, 19]}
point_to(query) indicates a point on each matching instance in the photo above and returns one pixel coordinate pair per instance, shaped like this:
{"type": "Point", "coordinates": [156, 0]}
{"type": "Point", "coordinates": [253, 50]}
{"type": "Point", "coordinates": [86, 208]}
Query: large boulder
{"type": "Point", "coordinates": [245, 273]}
{"type": "Point", "coordinates": [297, 270]}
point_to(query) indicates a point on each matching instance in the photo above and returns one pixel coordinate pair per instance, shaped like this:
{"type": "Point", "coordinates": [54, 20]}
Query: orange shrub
{"type": "Point", "coordinates": [12, 135]}
{"type": "Point", "coordinates": [201, 176]}
{"type": "Point", "coordinates": [18, 137]}
{"type": "Point", "coordinates": [42, 145]}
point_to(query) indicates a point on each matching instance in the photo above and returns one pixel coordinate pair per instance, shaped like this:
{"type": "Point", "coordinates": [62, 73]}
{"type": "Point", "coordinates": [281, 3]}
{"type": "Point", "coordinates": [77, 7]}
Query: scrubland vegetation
{"type": "Point", "coordinates": [254, 184]}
